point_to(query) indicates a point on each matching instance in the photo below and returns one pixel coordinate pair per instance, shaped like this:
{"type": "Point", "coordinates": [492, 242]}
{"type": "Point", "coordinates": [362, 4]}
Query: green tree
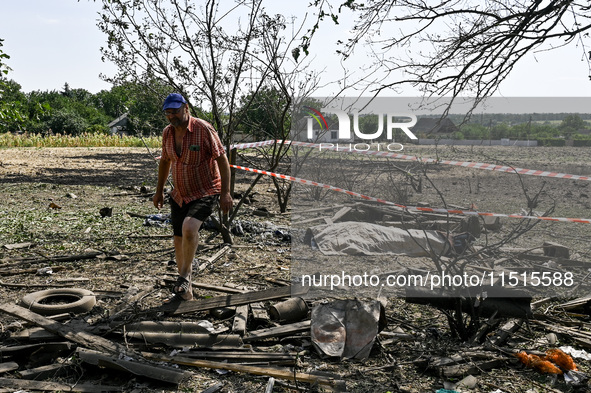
{"type": "Point", "coordinates": [474, 131]}
{"type": "Point", "coordinates": [457, 135]}
{"type": "Point", "coordinates": [13, 107]}
{"type": "Point", "coordinates": [213, 54]}
{"type": "Point", "coordinates": [571, 124]}
{"type": "Point", "coordinates": [11, 99]}
{"type": "Point", "coordinates": [115, 101]}
{"type": "Point", "coordinates": [67, 121]}
{"type": "Point", "coordinates": [195, 50]}
{"type": "Point", "coordinates": [369, 124]}
{"type": "Point", "coordinates": [499, 131]}
{"type": "Point", "coordinates": [4, 68]}
{"type": "Point", "coordinates": [38, 111]}
{"type": "Point", "coordinates": [72, 111]}
{"type": "Point", "coordinates": [260, 114]}
{"type": "Point", "coordinates": [145, 108]}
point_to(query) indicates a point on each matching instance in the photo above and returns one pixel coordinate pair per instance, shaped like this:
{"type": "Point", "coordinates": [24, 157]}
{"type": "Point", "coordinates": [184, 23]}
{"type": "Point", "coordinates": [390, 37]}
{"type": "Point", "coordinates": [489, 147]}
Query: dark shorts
{"type": "Point", "coordinates": [199, 209]}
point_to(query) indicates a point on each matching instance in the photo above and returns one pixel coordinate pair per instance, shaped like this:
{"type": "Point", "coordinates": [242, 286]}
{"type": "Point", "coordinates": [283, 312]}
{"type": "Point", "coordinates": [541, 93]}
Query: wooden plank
{"type": "Point", "coordinates": [83, 338]}
{"type": "Point", "coordinates": [581, 337]}
{"type": "Point", "coordinates": [157, 372]}
{"type": "Point", "coordinates": [27, 349]}
{"type": "Point", "coordinates": [230, 300]}
{"type": "Point", "coordinates": [309, 221]}
{"type": "Point", "coordinates": [34, 334]}
{"type": "Point", "coordinates": [65, 258]}
{"type": "Point", "coordinates": [322, 209]}
{"type": "Point", "coordinates": [576, 303]}
{"type": "Point", "coordinates": [46, 285]}
{"type": "Point", "coordinates": [278, 331]}
{"type": "Point", "coordinates": [217, 288]}
{"type": "Point", "coordinates": [27, 271]}
{"type": "Point", "coordinates": [338, 215]}
{"type": "Point", "coordinates": [211, 287]}
{"type": "Point", "coordinates": [271, 372]}
{"type": "Point", "coordinates": [43, 372]}
{"type": "Point", "coordinates": [55, 386]}
{"type": "Point", "coordinates": [8, 366]}
{"type": "Point", "coordinates": [236, 286]}
{"type": "Point", "coordinates": [561, 261]}
{"type": "Point", "coordinates": [240, 319]}
{"type": "Point", "coordinates": [220, 253]}
{"type": "Point", "coordinates": [240, 356]}
{"type": "Point", "coordinates": [16, 246]}
{"type": "Point", "coordinates": [272, 280]}
{"type": "Point", "coordinates": [166, 327]}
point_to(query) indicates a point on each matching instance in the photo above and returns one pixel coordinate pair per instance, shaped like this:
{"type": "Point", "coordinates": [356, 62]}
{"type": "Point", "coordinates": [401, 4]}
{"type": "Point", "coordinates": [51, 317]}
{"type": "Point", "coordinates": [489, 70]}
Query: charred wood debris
{"type": "Point", "coordinates": [168, 343]}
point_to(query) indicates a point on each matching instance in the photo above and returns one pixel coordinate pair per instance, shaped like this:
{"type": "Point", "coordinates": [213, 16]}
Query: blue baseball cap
{"type": "Point", "coordinates": [173, 101]}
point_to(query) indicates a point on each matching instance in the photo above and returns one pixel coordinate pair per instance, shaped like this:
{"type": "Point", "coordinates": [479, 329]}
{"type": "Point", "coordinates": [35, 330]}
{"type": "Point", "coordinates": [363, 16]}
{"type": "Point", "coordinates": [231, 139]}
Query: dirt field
{"type": "Point", "coordinates": [52, 198]}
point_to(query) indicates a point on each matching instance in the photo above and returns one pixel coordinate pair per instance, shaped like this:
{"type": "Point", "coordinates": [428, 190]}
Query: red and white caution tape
{"type": "Point", "coordinates": [254, 144]}
{"type": "Point", "coordinates": [411, 208]}
{"type": "Point", "coordinates": [316, 184]}
{"type": "Point", "coordinates": [466, 164]}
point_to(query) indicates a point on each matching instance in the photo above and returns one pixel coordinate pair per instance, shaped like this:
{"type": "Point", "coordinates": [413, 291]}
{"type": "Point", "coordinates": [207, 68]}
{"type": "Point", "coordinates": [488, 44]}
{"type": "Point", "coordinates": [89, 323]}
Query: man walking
{"type": "Point", "coordinates": [201, 176]}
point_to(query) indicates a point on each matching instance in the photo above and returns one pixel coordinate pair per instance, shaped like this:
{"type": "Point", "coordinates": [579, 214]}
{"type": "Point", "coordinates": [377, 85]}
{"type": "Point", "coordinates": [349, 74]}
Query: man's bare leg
{"type": "Point", "coordinates": [185, 248]}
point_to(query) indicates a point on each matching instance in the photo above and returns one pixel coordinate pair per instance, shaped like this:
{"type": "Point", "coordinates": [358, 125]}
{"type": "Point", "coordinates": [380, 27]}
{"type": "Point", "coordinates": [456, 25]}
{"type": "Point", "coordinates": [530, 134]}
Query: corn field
{"type": "Point", "coordinates": [82, 140]}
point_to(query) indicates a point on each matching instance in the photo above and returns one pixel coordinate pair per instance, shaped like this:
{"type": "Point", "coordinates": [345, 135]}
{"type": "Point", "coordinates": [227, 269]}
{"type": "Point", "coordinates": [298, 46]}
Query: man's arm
{"type": "Point", "coordinates": [225, 197]}
{"type": "Point", "coordinates": [163, 171]}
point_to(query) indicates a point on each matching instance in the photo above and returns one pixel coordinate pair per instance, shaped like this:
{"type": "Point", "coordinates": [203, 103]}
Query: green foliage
{"type": "Point", "coordinates": [474, 131]}
{"type": "Point", "coordinates": [551, 141]}
{"type": "Point", "coordinates": [265, 115]}
{"type": "Point", "coordinates": [11, 116]}
{"type": "Point", "coordinates": [76, 111]}
{"type": "Point", "coordinates": [520, 131]}
{"type": "Point", "coordinates": [4, 69]}
{"type": "Point", "coordinates": [67, 122]}
{"type": "Point", "coordinates": [212, 54]}
{"type": "Point", "coordinates": [458, 135]}
{"type": "Point", "coordinates": [145, 107]}
{"type": "Point", "coordinates": [573, 122]}
{"type": "Point", "coordinates": [581, 142]}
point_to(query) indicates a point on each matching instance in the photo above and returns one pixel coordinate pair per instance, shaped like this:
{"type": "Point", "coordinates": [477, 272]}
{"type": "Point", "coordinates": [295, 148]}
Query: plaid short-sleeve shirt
{"type": "Point", "coordinates": [195, 172]}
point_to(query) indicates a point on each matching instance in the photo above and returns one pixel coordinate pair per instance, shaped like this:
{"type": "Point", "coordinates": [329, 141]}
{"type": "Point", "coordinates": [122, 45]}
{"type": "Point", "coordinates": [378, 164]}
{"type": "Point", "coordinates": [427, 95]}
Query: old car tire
{"type": "Point", "coordinates": [59, 301]}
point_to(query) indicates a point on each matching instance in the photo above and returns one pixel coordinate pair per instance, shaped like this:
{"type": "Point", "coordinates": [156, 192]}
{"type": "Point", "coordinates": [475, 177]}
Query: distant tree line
{"type": "Point", "coordinates": [511, 126]}
{"type": "Point", "coordinates": [566, 126]}
{"type": "Point", "coordinates": [75, 111]}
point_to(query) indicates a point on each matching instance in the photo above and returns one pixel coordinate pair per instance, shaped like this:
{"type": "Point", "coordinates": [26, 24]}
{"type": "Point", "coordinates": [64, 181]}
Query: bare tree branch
{"type": "Point", "coordinates": [454, 47]}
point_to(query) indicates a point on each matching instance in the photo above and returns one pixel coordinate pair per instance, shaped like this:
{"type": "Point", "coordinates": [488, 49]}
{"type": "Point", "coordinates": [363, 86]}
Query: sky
{"type": "Point", "coordinates": [53, 42]}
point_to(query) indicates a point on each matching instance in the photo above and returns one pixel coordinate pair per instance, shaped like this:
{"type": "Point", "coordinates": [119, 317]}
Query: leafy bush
{"type": "Point", "coordinates": [64, 121]}
{"type": "Point", "coordinates": [551, 142]}
{"type": "Point", "coordinates": [581, 142]}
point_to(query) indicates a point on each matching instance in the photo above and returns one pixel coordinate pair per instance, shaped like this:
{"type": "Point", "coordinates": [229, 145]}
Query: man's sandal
{"type": "Point", "coordinates": [181, 290]}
